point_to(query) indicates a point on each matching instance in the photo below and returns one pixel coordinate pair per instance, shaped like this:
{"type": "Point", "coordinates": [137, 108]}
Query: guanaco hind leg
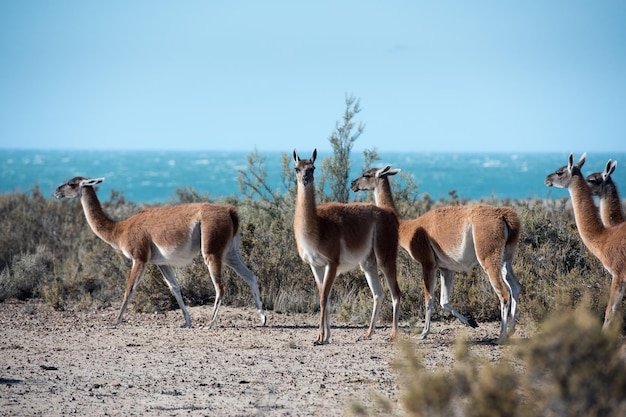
{"type": "Point", "coordinates": [389, 270]}
{"type": "Point", "coordinates": [429, 288]}
{"type": "Point", "coordinates": [370, 270]}
{"type": "Point", "coordinates": [170, 279]}
{"type": "Point", "coordinates": [504, 295]}
{"type": "Point", "coordinates": [214, 263]}
{"type": "Point", "coordinates": [515, 288]}
{"type": "Point", "coordinates": [616, 294]}
{"type": "Point", "coordinates": [234, 261]}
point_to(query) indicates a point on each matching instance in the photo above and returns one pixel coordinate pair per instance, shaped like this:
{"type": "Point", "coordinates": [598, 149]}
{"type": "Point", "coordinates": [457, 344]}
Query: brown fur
{"type": "Point", "coordinates": [602, 185]}
{"type": "Point", "coordinates": [436, 241]}
{"type": "Point", "coordinates": [608, 244]}
{"type": "Point", "coordinates": [334, 238]}
{"type": "Point", "coordinates": [168, 236]}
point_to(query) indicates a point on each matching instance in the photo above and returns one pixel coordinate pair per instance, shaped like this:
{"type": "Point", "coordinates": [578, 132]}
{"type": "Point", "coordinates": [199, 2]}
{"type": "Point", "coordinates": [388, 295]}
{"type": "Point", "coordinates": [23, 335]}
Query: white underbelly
{"type": "Point", "coordinates": [348, 259]}
{"type": "Point", "coordinates": [351, 259]}
{"type": "Point", "coordinates": [181, 255]}
{"type": "Point", "coordinates": [461, 257]}
{"type": "Point", "coordinates": [172, 259]}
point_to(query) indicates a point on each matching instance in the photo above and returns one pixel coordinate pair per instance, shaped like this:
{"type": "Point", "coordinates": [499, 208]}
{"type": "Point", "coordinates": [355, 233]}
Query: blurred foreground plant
{"type": "Point", "coordinates": [570, 367]}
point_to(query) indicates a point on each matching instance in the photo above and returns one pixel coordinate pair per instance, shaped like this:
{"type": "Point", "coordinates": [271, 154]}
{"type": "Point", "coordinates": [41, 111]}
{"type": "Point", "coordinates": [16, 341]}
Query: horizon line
{"type": "Point", "coordinates": [322, 150]}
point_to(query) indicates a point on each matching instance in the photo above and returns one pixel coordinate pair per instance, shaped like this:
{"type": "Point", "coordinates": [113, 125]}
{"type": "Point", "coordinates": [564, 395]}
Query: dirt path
{"type": "Point", "coordinates": [59, 363]}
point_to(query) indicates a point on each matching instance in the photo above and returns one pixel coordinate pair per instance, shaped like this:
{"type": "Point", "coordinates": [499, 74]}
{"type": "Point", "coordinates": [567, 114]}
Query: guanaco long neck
{"type": "Point", "coordinates": [99, 222]}
{"type": "Point", "coordinates": [306, 220]}
{"type": "Point", "coordinates": [610, 204]}
{"type": "Point", "coordinates": [384, 197]}
{"type": "Point", "coordinates": [586, 213]}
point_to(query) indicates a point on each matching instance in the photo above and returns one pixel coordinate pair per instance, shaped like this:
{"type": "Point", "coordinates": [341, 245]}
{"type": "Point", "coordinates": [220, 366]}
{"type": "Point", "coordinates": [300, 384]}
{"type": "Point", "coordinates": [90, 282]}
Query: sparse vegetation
{"type": "Point", "coordinates": [47, 250]}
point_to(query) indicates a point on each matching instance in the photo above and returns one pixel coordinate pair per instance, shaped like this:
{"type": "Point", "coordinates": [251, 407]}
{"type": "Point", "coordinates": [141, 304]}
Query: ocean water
{"type": "Point", "coordinates": [154, 176]}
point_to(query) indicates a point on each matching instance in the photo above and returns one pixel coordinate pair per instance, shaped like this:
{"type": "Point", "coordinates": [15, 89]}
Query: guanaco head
{"type": "Point", "coordinates": [74, 187]}
{"type": "Point", "coordinates": [598, 180]}
{"type": "Point", "coordinates": [562, 177]}
{"type": "Point", "coordinates": [368, 181]}
{"type": "Point", "coordinates": [304, 168]}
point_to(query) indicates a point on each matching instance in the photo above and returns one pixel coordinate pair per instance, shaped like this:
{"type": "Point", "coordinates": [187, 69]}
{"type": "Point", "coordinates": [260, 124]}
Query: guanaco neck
{"type": "Point", "coordinates": [383, 196]}
{"type": "Point", "coordinates": [610, 204]}
{"type": "Point", "coordinates": [306, 220]}
{"type": "Point", "coordinates": [586, 213]}
{"type": "Point", "coordinates": [99, 222]}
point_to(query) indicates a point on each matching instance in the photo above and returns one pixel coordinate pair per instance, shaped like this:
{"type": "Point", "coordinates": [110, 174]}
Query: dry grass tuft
{"type": "Point", "coordinates": [570, 367]}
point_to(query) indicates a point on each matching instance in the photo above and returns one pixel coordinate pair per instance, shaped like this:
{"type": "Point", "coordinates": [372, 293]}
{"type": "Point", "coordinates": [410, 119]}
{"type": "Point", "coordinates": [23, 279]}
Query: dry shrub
{"type": "Point", "coordinates": [22, 280]}
{"type": "Point", "coordinates": [570, 367]}
{"type": "Point", "coordinates": [554, 268]}
{"type": "Point", "coordinates": [473, 387]}
{"type": "Point", "coordinates": [581, 368]}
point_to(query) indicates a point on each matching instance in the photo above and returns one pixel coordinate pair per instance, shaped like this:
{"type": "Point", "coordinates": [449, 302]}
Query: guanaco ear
{"type": "Point", "coordinates": [386, 171]}
{"type": "Point", "coordinates": [314, 155]}
{"type": "Point", "coordinates": [609, 169]}
{"type": "Point", "coordinates": [581, 161]}
{"type": "Point", "coordinates": [91, 182]}
{"type": "Point", "coordinates": [570, 162]}
{"type": "Point", "coordinates": [381, 172]}
{"type": "Point", "coordinates": [296, 158]}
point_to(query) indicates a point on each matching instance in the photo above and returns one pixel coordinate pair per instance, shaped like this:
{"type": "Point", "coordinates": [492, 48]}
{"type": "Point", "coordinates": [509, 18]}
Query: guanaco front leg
{"type": "Point", "coordinates": [136, 273]}
{"type": "Point", "coordinates": [329, 278]}
{"type": "Point", "coordinates": [447, 282]}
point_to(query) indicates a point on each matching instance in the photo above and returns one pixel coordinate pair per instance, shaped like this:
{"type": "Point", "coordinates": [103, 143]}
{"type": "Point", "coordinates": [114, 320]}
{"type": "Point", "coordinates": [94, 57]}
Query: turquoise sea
{"type": "Point", "coordinates": [153, 176]}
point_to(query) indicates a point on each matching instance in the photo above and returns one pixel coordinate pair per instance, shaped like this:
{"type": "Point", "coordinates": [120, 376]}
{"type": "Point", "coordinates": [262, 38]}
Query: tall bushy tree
{"type": "Point", "coordinates": [336, 169]}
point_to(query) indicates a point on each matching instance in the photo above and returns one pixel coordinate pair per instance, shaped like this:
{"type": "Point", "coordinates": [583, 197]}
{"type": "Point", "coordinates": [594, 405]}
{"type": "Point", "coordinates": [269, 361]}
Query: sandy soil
{"type": "Point", "coordinates": [59, 363]}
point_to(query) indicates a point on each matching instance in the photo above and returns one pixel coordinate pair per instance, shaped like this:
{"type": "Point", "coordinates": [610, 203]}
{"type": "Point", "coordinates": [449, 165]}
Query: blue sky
{"type": "Point", "coordinates": [525, 76]}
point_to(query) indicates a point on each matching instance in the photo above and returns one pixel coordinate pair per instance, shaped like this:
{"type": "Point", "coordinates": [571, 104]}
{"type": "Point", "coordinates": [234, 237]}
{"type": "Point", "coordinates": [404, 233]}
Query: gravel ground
{"type": "Point", "coordinates": [60, 363]}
